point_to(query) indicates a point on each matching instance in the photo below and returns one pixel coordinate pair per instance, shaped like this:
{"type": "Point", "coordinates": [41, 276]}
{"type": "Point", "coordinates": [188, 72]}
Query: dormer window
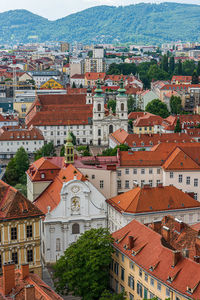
{"type": "Point", "coordinates": [42, 175]}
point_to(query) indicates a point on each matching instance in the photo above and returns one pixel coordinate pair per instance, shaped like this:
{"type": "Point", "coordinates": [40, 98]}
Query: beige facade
{"type": "Point", "coordinates": [35, 188]}
{"type": "Point", "coordinates": [126, 275]}
{"type": "Point", "coordinates": [20, 242]}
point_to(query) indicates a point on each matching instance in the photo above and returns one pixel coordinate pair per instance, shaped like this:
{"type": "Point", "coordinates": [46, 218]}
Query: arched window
{"type": "Point", "coordinates": [75, 228]}
{"type": "Point", "coordinates": [57, 244]}
{"type": "Point", "coordinates": [99, 107]}
{"type": "Point", "coordinates": [110, 129]}
{"type": "Point", "coordinates": [99, 141]}
{"type": "Point", "coordinates": [122, 106]}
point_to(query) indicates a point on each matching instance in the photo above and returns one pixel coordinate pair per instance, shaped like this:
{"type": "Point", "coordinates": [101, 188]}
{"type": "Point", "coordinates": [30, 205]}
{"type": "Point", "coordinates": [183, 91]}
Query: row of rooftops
{"type": "Point", "coordinates": [19, 133]}
{"type": "Point", "coordinates": [160, 259]}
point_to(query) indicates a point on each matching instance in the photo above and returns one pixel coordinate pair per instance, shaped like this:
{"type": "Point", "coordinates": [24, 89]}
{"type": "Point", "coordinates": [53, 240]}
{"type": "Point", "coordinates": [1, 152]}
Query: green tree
{"type": "Point", "coordinates": [21, 188]}
{"type": "Point", "coordinates": [178, 126]}
{"type": "Point", "coordinates": [112, 104]}
{"type": "Point", "coordinates": [46, 150]}
{"type": "Point", "coordinates": [107, 295]}
{"type": "Point", "coordinates": [180, 67]}
{"type": "Point", "coordinates": [113, 151]}
{"type": "Point", "coordinates": [157, 107]}
{"type": "Point", "coordinates": [198, 68]}
{"type": "Point", "coordinates": [16, 168]}
{"type": "Point", "coordinates": [157, 73]}
{"type": "Point", "coordinates": [171, 64]}
{"type": "Point", "coordinates": [164, 63]}
{"type": "Point", "coordinates": [62, 151]}
{"type": "Point", "coordinates": [195, 77]}
{"type": "Point", "coordinates": [175, 105]}
{"type": "Point", "coordinates": [84, 267]}
{"type": "Point", "coordinates": [188, 67]}
{"type": "Point", "coordinates": [73, 138]}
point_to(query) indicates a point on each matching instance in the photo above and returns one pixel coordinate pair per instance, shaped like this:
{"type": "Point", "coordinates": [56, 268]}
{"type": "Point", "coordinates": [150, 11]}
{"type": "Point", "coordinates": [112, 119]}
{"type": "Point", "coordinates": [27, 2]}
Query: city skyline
{"type": "Point", "coordinates": [47, 9]}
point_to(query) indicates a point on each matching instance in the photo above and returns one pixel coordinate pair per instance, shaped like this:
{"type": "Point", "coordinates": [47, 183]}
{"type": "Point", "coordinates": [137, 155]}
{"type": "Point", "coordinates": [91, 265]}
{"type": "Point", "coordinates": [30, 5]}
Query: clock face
{"type": "Point", "coordinates": [75, 189]}
{"type": "Point", "coordinates": [75, 204]}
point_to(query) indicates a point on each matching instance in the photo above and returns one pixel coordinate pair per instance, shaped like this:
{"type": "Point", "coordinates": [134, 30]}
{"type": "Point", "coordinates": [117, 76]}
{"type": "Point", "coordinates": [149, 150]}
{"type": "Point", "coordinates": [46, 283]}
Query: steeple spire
{"type": "Point", "coordinates": [69, 149]}
{"type": "Point", "coordinates": [98, 90]}
{"type": "Point", "coordinates": [121, 90]}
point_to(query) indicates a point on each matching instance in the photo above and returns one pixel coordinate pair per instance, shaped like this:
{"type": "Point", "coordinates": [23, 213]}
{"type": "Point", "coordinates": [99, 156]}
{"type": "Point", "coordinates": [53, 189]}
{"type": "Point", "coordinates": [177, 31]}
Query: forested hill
{"type": "Point", "coordinates": [140, 23]}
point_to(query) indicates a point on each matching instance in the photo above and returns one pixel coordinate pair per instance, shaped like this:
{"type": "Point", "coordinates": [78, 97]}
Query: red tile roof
{"type": "Point", "coordinates": [154, 253]}
{"type": "Point", "coordinates": [15, 133]}
{"type": "Point", "coordinates": [51, 195]}
{"type": "Point", "coordinates": [94, 76]}
{"type": "Point", "coordinates": [119, 136]}
{"type": "Point", "coordinates": [13, 205]}
{"type": "Point", "coordinates": [147, 199]}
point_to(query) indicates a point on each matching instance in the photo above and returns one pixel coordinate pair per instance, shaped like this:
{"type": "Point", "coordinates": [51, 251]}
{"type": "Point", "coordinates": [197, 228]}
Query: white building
{"type": "Point", "coordinates": [72, 205]}
{"type": "Point", "coordinates": [14, 137]}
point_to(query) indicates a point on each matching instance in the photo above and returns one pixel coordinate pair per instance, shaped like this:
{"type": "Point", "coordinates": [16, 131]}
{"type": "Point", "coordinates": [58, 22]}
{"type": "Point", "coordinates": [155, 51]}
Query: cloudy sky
{"type": "Point", "coordinates": [54, 9]}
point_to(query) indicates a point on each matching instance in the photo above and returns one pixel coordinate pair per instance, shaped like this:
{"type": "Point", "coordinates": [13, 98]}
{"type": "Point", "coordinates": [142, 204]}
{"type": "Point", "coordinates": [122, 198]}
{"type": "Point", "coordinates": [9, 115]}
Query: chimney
{"type": "Point", "coordinates": [176, 257]}
{"type": "Point", "coordinates": [29, 292]}
{"type": "Point", "coordinates": [165, 232]}
{"type": "Point", "coordinates": [130, 242]}
{"type": "Point", "coordinates": [179, 225]}
{"type": "Point", "coordinates": [24, 270]}
{"type": "Point", "coordinates": [8, 277]}
{"type": "Point", "coordinates": [155, 225]}
{"type": "Point", "coordinates": [197, 246]}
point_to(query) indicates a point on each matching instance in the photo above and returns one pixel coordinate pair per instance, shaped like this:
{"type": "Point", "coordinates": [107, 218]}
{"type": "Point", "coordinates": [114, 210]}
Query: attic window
{"type": "Point", "coordinates": [42, 175]}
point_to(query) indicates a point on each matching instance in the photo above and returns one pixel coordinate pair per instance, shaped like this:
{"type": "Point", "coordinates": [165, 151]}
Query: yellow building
{"type": "Point", "coordinates": [144, 267]}
{"type": "Point", "coordinates": [52, 84]}
{"type": "Point", "coordinates": [20, 230]}
{"type": "Point", "coordinates": [22, 106]}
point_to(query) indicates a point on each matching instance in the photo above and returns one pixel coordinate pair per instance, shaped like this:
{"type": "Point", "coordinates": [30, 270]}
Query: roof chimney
{"type": "Point", "coordinates": [8, 277]}
{"type": "Point", "coordinates": [130, 242]}
{"type": "Point", "coordinates": [165, 232]}
{"type": "Point", "coordinates": [176, 257]}
{"type": "Point", "coordinates": [24, 270]}
{"type": "Point", "coordinates": [178, 225]}
{"type": "Point", "coordinates": [155, 225]}
{"type": "Point", "coordinates": [30, 292]}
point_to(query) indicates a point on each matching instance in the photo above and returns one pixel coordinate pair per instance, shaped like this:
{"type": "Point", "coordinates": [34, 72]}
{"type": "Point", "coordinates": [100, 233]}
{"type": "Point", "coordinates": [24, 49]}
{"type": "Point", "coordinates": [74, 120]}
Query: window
{"type": "Point", "coordinates": [131, 282]}
{"type": "Point", "coordinates": [119, 173]}
{"type": "Point", "coordinates": [142, 183]}
{"type": "Point", "coordinates": [134, 171]}
{"type": "Point", "coordinates": [167, 292]}
{"type": "Point", "coordinates": [139, 289]}
{"type": "Point", "coordinates": [158, 171]}
{"type": "Point", "coordinates": [15, 257]}
{"type": "Point", "coordinates": [150, 171]}
{"type": "Point", "coordinates": [101, 184]}
{"type": "Point", "coordinates": [75, 228]}
{"type": "Point", "coordinates": [42, 175]}
{"type": "Point", "coordinates": [116, 268]}
{"type": "Point", "coordinates": [127, 184]}
{"type": "Point", "coordinates": [127, 171]}
{"type": "Point", "coordinates": [93, 176]}
{"type": "Point", "coordinates": [195, 181]}
{"type": "Point", "coordinates": [195, 196]}
{"type": "Point", "coordinates": [110, 129]}
{"type": "Point", "coordinates": [146, 277]}
{"type": "Point", "coordinates": [122, 106]}
{"type": "Point", "coordinates": [122, 274]}
{"type": "Point", "coordinates": [157, 182]}
{"type": "Point", "coordinates": [152, 281]}
{"type": "Point", "coordinates": [142, 171]}
{"type": "Point", "coordinates": [140, 272]}
{"type": "Point", "coordinates": [151, 183]}
{"type": "Point", "coordinates": [99, 107]}
{"type": "Point", "coordinates": [58, 244]}
{"type": "Point", "coordinates": [29, 255]}
{"type": "Point", "coordinates": [14, 233]}
{"type": "Point", "coordinates": [131, 265]}
{"type": "Point", "coordinates": [119, 184]}
{"type": "Point", "coordinates": [171, 175]}
{"type": "Point", "coordinates": [29, 231]}
{"type": "Point", "coordinates": [180, 178]}
{"type": "Point", "coordinates": [99, 132]}
{"type": "Point", "coordinates": [188, 180]}
{"type": "Point", "coordinates": [159, 286]}
{"type": "Point", "coordinates": [123, 257]}
{"type": "Point", "coordinates": [131, 297]}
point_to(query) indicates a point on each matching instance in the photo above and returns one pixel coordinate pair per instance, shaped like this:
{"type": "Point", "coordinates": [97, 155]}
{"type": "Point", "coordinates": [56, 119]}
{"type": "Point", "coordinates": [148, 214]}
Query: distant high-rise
{"type": "Point", "coordinates": [98, 52]}
{"type": "Point", "coordinates": [64, 47]}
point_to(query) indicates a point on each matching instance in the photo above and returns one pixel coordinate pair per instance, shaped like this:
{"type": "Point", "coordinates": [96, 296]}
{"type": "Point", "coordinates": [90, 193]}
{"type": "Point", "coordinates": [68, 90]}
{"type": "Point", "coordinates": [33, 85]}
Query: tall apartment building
{"type": "Point", "coordinates": [95, 65]}
{"type": "Point", "coordinates": [64, 47]}
{"type": "Point", "coordinates": [98, 52]}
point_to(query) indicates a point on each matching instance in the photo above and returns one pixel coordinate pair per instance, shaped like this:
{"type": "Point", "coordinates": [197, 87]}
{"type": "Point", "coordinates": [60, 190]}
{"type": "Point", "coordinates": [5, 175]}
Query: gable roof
{"type": "Point", "coordinates": [13, 205]}
{"type": "Point", "coordinates": [51, 195]}
{"type": "Point", "coordinates": [154, 253]}
{"type": "Point", "coordinates": [147, 199]}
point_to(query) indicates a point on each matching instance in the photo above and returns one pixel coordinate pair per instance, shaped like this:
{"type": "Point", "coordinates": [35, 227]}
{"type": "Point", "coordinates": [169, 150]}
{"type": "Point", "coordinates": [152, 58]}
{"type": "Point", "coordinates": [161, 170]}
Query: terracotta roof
{"type": "Point", "coordinates": [78, 76]}
{"type": "Point", "coordinates": [94, 75]}
{"type": "Point", "coordinates": [138, 114]}
{"type": "Point", "coordinates": [13, 205]}
{"type": "Point", "coordinates": [147, 120]}
{"type": "Point", "coordinates": [147, 199]}
{"type": "Point", "coordinates": [154, 253]}
{"type": "Point", "coordinates": [14, 133]}
{"type": "Point", "coordinates": [119, 136]}
{"type": "Point", "coordinates": [51, 195]}
{"type": "Point", "coordinates": [41, 290]}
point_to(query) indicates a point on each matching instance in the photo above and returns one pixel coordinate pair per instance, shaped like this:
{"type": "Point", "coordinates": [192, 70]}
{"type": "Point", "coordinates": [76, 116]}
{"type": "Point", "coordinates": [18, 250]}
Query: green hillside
{"type": "Point", "coordinates": [140, 23]}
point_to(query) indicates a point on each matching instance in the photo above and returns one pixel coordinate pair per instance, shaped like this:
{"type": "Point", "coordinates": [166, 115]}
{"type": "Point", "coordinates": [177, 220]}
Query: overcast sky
{"type": "Point", "coordinates": [54, 9]}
